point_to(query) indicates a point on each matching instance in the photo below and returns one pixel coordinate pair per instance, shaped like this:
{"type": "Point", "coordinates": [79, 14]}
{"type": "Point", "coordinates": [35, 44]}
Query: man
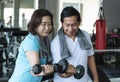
{"type": "Point", "coordinates": [75, 46]}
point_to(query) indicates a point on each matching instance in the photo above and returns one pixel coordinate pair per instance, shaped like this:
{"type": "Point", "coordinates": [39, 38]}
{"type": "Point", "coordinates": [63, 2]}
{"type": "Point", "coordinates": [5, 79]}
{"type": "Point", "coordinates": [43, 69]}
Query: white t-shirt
{"type": "Point", "coordinates": [78, 57]}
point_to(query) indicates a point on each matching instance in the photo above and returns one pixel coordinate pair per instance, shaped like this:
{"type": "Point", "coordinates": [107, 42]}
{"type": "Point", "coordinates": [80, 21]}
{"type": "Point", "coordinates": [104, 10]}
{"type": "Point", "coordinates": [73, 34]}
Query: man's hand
{"type": "Point", "coordinates": [69, 72]}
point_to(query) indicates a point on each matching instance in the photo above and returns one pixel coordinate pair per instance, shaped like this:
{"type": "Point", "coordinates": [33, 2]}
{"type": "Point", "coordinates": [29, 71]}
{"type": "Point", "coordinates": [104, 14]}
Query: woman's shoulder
{"type": "Point", "coordinates": [30, 42]}
{"type": "Point", "coordinates": [30, 37]}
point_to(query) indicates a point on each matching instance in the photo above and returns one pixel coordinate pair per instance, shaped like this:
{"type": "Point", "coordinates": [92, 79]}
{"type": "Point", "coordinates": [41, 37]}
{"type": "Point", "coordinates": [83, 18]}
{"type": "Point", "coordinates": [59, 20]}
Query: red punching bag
{"type": "Point", "coordinates": [100, 33]}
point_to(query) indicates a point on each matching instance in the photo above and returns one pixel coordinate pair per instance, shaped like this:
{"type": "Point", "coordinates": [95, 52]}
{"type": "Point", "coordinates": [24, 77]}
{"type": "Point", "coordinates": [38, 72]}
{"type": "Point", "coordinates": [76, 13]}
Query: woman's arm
{"type": "Point", "coordinates": [33, 58]}
{"type": "Point", "coordinates": [92, 67]}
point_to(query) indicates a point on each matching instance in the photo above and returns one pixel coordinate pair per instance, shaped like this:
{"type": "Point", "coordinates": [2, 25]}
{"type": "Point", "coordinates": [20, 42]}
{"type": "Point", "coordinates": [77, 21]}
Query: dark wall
{"type": "Point", "coordinates": [112, 13]}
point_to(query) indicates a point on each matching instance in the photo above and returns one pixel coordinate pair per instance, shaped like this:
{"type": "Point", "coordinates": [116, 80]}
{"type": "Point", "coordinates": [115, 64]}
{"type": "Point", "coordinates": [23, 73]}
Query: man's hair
{"type": "Point", "coordinates": [36, 19]}
{"type": "Point", "coordinates": [70, 11]}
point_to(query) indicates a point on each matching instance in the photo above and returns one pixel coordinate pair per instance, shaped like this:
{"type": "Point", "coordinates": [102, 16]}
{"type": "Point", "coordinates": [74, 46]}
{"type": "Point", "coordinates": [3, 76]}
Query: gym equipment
{"type": "Point", "coordinates": [19, 33]}
{"type": "Point", "coordinates": [100, 32]}
{"type": "Point", "coordinates": [59, 67]}
{"type": "Point", "coordinates": [79, 71]}
{"type": "Point", "coordinates": [1, 62]}
{"type": "Point", "coordinates": [10, 39]}
{"type": "Point", "coordinates": [3, 42]}
{"type": "Point", "coordinates": [36, 69]}
{"type": "Point", "coordinates": [110, 65]}
{"type": "Point", "coordinates": [9, 29]}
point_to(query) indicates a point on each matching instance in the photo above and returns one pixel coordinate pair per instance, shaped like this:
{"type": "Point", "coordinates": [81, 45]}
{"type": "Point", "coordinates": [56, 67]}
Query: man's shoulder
{"type": "Point", "coordinates": [85, 32]}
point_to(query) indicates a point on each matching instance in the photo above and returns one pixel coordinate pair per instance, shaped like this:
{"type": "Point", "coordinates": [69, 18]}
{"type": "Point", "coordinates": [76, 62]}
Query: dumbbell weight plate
{"type": "Point", "coordinates": [36, 69]}
{"type": "Point", "coordinates": [62, 65]}
{"type": "Point", "coordinates": [79, 71]}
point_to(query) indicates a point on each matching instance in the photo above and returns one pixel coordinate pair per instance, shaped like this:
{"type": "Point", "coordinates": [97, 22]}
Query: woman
{"type": "Point", "coordinates": [35, 49]}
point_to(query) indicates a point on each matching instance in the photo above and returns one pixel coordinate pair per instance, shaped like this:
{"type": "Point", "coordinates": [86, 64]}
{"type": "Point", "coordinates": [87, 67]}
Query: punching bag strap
{"type": "Point", "coordinates": [101, 13]}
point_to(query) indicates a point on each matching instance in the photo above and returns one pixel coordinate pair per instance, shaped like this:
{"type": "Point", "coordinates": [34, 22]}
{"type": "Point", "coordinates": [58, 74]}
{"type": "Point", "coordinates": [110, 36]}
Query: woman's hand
{"type": "Point", "coordinates": [46, 70]}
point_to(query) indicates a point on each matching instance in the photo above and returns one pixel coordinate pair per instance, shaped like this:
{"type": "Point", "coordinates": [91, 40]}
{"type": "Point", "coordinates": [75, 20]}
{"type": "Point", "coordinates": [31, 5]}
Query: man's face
{"type": "Point", "coordinates": [70, 26]}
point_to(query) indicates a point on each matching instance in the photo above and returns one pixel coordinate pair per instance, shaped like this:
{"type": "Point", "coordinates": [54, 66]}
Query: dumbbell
{"type": "Point", "coordinates": [79, 71]}
{"type": "Point", "coordinates": [36, 69]}
{"type": "Point", "coordinates": [59, 67]}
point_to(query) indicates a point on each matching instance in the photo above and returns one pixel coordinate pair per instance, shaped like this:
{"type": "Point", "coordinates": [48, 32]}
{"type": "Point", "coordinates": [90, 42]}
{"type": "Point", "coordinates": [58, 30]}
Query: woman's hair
{"type": "Point", "coordinates": [70, 11]}
{"type": "Point", "coordinates": [36, 19]}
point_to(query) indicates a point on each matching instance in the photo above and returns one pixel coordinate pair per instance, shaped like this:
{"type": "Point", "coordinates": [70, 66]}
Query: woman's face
{"type": "Point", "coordinates": [45, 26]}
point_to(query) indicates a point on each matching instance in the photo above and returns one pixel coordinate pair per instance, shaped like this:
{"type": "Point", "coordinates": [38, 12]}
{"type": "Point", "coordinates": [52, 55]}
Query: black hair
{"type": "Point", "coordinates": [70, 11]}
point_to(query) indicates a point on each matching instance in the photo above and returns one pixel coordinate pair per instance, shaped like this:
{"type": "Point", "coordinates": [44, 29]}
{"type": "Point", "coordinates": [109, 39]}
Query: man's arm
{"type": "Point", "coordinates": [92, 67]}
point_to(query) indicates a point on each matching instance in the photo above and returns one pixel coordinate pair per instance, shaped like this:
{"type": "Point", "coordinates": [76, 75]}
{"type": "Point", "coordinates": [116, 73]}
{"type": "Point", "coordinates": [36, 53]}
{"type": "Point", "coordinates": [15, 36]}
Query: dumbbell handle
{"type": "Point", "coordinates": [56, 67]}
{"type": "Point", "coordinates": [71, 69]}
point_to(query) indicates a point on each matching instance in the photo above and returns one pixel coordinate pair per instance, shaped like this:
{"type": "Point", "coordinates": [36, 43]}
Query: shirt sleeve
{"type": "Point", "coordinates": [30, 44]}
